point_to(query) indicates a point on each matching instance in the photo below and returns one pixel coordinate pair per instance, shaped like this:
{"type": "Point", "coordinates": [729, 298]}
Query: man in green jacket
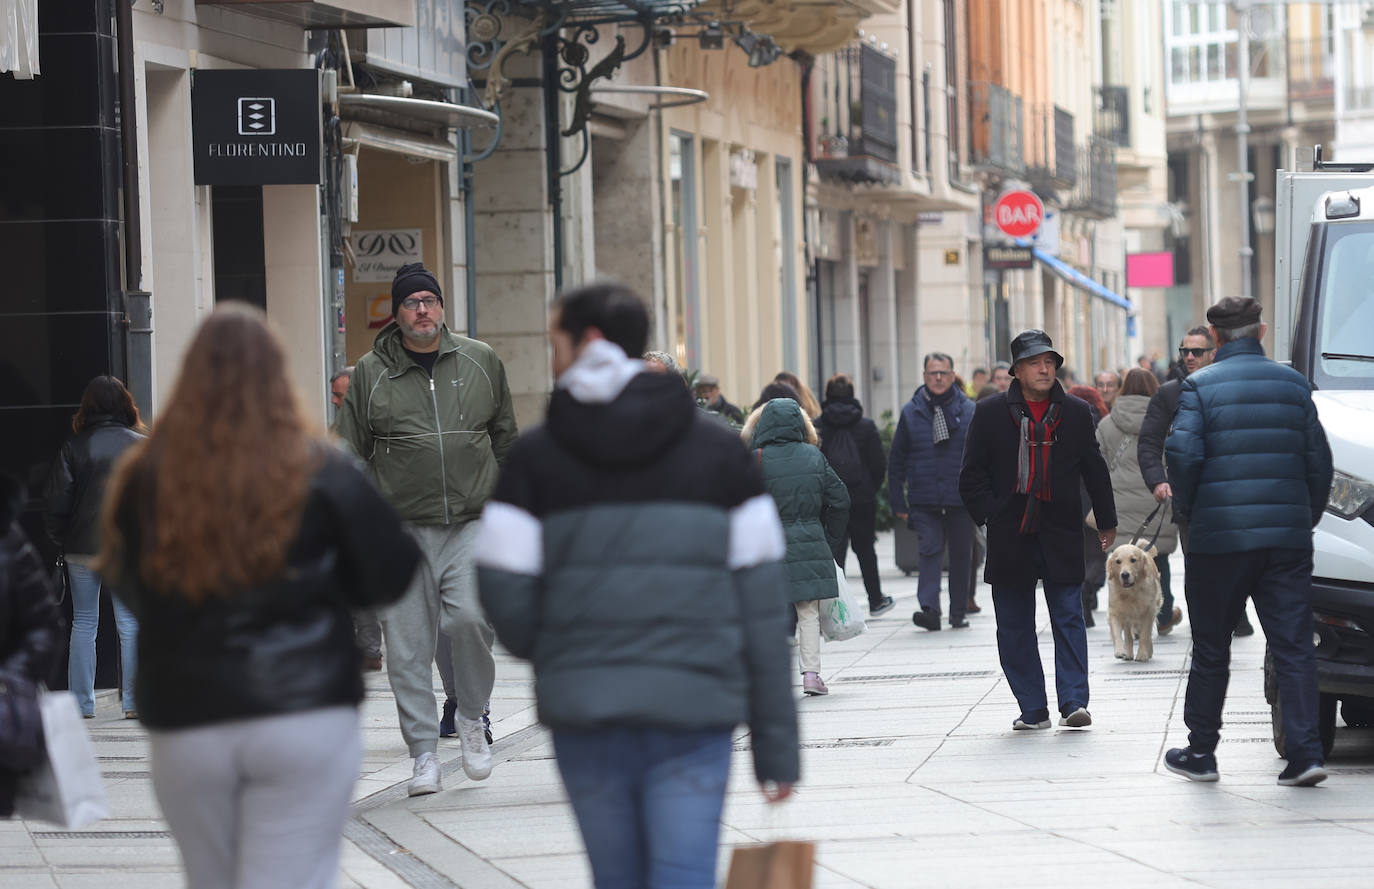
{"type": "Point", "coordinates": [430, 414]}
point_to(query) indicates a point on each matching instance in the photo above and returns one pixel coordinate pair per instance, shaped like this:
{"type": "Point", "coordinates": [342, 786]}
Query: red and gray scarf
{"type": "Point", "coordinates": [1033, 460]}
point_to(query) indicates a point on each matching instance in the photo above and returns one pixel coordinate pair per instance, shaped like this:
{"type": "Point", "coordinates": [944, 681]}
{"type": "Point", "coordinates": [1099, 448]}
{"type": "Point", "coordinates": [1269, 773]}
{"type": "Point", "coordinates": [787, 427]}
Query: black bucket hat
{"type": "Point", "coordinates": [1030, 343]}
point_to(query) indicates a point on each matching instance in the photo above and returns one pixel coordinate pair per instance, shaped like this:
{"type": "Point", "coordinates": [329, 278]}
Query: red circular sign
{"type": "Point", "coordinates": [1018, 214]}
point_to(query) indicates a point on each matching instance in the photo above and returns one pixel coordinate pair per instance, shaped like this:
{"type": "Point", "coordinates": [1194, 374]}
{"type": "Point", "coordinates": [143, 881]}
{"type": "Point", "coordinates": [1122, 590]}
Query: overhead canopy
{"type": "Point", "coordinates": [1078, 279]}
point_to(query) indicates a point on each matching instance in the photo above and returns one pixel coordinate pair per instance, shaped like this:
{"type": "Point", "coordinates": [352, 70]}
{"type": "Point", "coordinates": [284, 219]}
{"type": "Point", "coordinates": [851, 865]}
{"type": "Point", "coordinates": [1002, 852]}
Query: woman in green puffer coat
{"type": "Point", "coordinates": [1118, 435]}
{"type": "Point", "coordinates": [814, 507]}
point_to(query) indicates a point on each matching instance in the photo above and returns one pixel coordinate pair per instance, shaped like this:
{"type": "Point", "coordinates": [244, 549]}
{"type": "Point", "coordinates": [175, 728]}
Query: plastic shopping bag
{"type": "Point", "coordinates": [840, 616]}
{"type": "Point", "coordinates": [66, 789]}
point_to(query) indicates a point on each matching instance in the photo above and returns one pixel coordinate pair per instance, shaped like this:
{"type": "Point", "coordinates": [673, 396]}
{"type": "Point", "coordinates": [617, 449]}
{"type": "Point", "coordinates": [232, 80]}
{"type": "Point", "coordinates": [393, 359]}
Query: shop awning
{"type": "Point", "coordinates": [19, 37]}
{"type": "Point", "coordinates": [1078, 279]}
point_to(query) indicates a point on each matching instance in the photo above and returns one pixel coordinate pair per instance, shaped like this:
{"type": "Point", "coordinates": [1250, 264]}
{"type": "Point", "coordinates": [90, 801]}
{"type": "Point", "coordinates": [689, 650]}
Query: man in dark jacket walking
{"type": "Point", "coordinates": [631, 553]}
{"type": "Point", "coordinates": [1028, 452]}
{"type": "Point", "coordinates": [923, 472]}
{"type": "Point", "coordinates": [1194, 353]}
{"type": "Point", "coordinates": [1251, 472]}
{"type": "Point", "coordinates": [850, 441]}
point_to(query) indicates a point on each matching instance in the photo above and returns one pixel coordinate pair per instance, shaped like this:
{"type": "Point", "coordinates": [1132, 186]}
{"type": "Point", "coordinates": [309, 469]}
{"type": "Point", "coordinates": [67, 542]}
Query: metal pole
{"type": "Point", "coordinates": [1242, 8]}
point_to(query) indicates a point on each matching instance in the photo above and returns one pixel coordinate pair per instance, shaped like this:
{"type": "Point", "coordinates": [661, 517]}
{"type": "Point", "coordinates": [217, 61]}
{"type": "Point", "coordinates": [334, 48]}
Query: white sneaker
{"type": "Point", "coordinates": [426, 777]}
{"type": "Point", "coordinates": [476, 751]}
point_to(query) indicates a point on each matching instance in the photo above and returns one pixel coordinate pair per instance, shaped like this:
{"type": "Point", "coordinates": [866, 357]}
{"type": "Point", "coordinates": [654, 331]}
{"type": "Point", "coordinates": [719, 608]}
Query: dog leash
{"type": "Point", "coordinates": [1145, 524]}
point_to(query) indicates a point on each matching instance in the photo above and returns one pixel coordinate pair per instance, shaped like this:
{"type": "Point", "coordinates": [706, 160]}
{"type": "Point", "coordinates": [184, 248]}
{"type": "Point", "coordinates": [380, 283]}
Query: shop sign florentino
{"type": "Point", "coordinates": [256, 127]}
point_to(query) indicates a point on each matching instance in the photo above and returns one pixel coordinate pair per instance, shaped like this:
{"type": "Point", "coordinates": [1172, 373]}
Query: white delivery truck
{"type": "Point", "coordinates": [1324, 326]}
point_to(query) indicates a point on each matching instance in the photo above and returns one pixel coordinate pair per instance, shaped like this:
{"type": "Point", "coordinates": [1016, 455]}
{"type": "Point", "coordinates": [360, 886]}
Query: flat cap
{"type": "Point", "coordinates": [707, 380]}
{"type": "Point", "coordinates": [1233, 312]}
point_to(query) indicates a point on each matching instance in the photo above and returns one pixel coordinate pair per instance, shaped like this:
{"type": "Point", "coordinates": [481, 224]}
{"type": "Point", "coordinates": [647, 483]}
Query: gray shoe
{"type": "Point", "coordinates": [426, 776]}
{"type": "Point", "coordinates": [1079, 718]}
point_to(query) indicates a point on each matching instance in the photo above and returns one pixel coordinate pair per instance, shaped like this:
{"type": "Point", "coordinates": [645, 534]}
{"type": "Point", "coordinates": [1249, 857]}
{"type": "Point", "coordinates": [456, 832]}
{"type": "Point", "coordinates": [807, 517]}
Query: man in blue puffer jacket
{"type": "Point", "coordinates": [923, 488]}
{"type": "Point", "coordinates": [1251, 472]}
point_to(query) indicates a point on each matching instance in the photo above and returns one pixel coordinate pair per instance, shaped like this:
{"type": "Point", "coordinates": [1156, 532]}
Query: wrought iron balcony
{"type": "Point", "coordinates": [856, 115]}
{"type": "Point", "coordinates": [997, 142]}
{"type": "Point", "coordinates": [1095, 194]}
{"type": "Point", "coordinates": [1112, 117]}
{"type": "Point", "coordinates": [1311, 68]}
{"type": "Point", "coordinates": [1053, 163]}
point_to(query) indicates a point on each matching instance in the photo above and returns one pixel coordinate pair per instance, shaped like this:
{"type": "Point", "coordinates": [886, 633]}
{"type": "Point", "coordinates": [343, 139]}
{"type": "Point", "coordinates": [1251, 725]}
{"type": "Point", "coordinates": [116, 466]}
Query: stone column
{"type": "Point", "coordinates": [882, 324]}
{"type": "Point", "coordinates": [513, 251]}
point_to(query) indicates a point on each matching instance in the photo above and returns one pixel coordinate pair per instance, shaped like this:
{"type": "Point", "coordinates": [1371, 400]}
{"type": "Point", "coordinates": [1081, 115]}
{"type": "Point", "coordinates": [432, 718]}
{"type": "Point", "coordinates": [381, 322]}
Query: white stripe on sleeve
{"type": "Point", "coordinates": [510, 539]}
{"type": "Point", "coordinates": [755, 533]}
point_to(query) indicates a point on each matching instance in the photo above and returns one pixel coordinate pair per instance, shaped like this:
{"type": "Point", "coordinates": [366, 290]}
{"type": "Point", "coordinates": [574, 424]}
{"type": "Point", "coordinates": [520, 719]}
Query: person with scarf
{"type": "Point", "coordinates": [1028, 450]}
{"type": "Point", "coordinates": [923, 469]}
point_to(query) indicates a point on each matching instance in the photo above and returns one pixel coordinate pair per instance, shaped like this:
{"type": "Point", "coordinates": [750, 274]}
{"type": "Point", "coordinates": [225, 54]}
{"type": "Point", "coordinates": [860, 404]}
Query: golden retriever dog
{"type": "Point", "coordinates": [1135, 599]}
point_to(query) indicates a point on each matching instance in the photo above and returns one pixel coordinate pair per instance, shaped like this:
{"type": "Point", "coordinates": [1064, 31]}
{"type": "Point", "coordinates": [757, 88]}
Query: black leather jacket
{"type": "Point", "coordinates": [76, 486]}
{"type": "Point", "coordinates": [30, 625]}
{"type": "Point", "coordinates": [283, 646]}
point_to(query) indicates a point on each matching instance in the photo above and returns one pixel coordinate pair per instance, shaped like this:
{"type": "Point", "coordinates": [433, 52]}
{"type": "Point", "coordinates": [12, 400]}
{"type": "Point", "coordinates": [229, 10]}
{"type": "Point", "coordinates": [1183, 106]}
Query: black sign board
{"type": "Point", "coordinates": [1007, 258]}
{"type": "Point", "coordinates": [256, 127]}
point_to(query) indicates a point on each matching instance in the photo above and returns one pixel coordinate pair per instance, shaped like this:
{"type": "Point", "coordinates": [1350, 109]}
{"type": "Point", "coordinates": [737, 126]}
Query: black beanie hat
{"type": "Point", "coordinates": [412, 278]}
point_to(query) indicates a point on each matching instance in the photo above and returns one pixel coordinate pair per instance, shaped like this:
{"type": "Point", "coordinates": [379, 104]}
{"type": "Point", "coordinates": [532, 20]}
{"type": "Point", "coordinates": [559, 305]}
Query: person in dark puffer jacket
{"type": "Point", "coordinates": [631, 553]}
{"type": "Point", "coordinates": [850, 441]}
{"type": "Point", "coordinates": [1250, 470]}
{"type": "Point", "coordinates": [30, 624]}
{"type": "Point", "coordinates": [814, 506]}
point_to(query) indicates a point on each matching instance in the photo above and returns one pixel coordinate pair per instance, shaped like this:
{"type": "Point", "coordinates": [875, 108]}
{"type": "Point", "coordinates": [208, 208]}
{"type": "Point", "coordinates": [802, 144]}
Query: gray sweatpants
{"type": "Point", "coordinates": [259, 803]}
{"type": "Point", "coordinates": [441, 599]}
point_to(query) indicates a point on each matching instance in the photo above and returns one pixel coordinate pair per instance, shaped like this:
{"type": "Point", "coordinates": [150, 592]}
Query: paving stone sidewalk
{"type": "Point", "coordinates": [911, 777]}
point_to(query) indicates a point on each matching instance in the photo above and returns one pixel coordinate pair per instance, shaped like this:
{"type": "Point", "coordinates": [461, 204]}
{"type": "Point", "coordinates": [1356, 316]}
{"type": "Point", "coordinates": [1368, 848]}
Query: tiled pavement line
{"type": "Point", "coordinates": [380, 822]}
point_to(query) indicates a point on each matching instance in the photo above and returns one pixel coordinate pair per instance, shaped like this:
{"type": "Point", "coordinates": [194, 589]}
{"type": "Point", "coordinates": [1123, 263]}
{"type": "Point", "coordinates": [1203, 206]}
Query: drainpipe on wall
{"type": "Point", "coordinates": [137, 316]}
{"type": "Point", "coordinates": [813, 265]}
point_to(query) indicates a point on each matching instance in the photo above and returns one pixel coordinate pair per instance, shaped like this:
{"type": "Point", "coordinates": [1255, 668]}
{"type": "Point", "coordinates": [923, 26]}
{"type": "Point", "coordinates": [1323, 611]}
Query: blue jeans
{"type": "Point", "coordinates": [648, 802]}
{"type": "Point", "coordinates": [1020, 653]}
{"type": "Point", "coordinates": [85, 620]}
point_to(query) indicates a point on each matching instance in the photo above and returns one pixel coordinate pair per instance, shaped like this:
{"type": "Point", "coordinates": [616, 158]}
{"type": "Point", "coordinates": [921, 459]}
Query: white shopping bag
{"type": "Point", "coordinates": [66, 789]}
{"type": "Point", "coordinates": [840, 616]}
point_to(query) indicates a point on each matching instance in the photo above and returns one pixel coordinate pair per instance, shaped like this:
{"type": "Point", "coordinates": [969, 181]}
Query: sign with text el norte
{"type": "Point", "coordinates": [255, 126]}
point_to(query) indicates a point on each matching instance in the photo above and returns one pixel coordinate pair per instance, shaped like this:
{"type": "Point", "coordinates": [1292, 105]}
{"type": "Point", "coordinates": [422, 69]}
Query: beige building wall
{"type": "Point", "coordinates": [752, 120]}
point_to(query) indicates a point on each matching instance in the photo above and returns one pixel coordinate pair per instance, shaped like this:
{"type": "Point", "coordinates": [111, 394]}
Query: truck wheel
{"type": "Point", "coordinates": [1358, 712]}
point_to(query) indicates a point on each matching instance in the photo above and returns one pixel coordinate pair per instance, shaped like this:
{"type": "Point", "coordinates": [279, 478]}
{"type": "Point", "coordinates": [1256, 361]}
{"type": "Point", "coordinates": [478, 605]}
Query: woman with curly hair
{"type": "Point", "coordinates": [106, 425]}
{"type": "Point", "coordinates": [241, 539]}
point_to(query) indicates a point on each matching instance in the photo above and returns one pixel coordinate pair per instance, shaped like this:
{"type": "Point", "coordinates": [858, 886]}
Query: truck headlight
{"type": "Point", "coordinates": [1350, 496]}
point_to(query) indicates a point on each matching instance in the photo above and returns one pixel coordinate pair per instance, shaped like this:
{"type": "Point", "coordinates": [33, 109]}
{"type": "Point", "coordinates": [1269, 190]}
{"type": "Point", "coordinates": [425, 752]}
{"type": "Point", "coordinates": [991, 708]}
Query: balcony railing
{"type": "Point", "coordinates": [856, 110]}
{"type": "Point", "coordinates": [997, 141]}
{"type": "Point", "coordinates": [1359, 98]}
{"type": "Point", "coordinates": [1052, 164]}
{"type": "Point", "coordinates": [1311, 68]}
{"type": "Point", "coordinates": [1112, 117]}
{"type": "Point", "coordinates": [1095, 194]}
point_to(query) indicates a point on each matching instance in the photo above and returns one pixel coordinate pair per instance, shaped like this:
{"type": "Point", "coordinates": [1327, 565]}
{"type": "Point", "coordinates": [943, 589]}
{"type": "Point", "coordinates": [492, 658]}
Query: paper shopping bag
{"type": "Point", "coordinates": [784, 865]}
{"type": "Point", "coordinates": [66, 789]}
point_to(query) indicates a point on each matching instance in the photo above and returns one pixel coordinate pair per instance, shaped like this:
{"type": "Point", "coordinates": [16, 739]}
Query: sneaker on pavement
{"type": "Point", "coordinates": [1191, 765]}
{"type": "Point", "coordinates": [446, 726]}
{"type": "Point", "coordinates": [883, 607]}
{"type": "Point", "coordinates": [957, 623]}
{"type": "Point", "coordinates": [973, 607]}
{"type": "Point", "coordinates": [476, 750]}
{"type": "Point", "coordinates": [927, 620]}
{"type": "Point", "coordinates": [372, 664]}
{"type": "Point", "coordinates": [1022, 724]}
{"type": "Point", "coordinates": [1244, 628]}
{"type": "Point", "coordinates": [1299, 774]}
{"type": "Point", "coordinates": [812, 685]}
{"type": "Point", "coordinates": [1079, 717]}
{"type": "Point", "coordinates": [426, 776]}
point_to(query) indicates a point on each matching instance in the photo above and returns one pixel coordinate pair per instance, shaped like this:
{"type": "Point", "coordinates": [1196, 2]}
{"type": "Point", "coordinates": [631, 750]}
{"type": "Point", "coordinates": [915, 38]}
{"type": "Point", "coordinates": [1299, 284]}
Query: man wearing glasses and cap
{"type": "Point", "coordinates": [1195, 352]}
{"type": "Point", "coordinates": [1028, 452]}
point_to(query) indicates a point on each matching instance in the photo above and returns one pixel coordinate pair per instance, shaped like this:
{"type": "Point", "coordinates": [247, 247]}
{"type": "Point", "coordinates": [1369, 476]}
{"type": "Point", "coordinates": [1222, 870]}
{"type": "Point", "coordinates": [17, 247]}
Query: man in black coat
{"type": "Point", "coordinates": [1027, 453]}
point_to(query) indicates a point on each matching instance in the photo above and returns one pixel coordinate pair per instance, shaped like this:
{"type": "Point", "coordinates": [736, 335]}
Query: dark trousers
{"type": "Point", "coordinates": [1216, 586]}
{"type": "Point", "coordinates": [1019, 649]}
{"type": "Point", "coordinates": [938, 527]}
{"type": "Point", "coordinates": [860, 535]}
{"type": "Point", "coordinates": [1166, 610]}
